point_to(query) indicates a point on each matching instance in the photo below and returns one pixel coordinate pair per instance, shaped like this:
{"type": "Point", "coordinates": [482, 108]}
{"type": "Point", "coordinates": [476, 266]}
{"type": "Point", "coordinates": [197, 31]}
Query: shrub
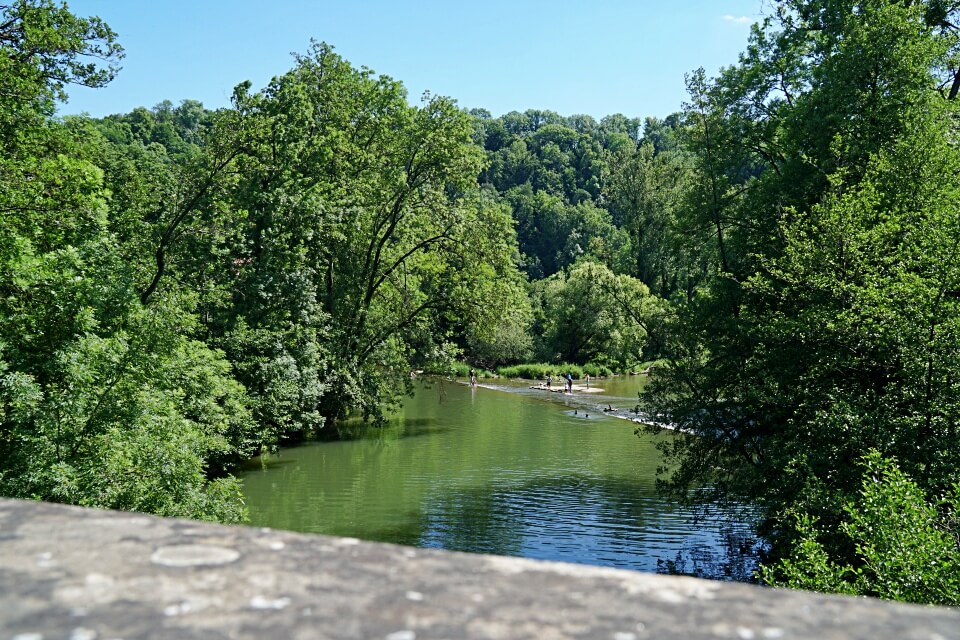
{"type": "Point", "coordinates": [907, 548]}
{"type": "Point", "coordinates": [460, 369]}
{"type": "Point", "coordinates": [539, 371]}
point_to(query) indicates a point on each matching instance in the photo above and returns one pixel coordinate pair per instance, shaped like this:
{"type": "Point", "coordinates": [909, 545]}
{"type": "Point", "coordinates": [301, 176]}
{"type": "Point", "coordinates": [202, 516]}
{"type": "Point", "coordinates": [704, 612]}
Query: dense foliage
{"type": "Point", "coordinates": [904, 546]}
{"type": "Point", "coordinates": [825, 170]}
{"type": "Point", "coordinates": [180, 287]}
{"type": "Point", "coordinates": [568, 182]}
{"type": "Point", "coordinates": [103, 401]}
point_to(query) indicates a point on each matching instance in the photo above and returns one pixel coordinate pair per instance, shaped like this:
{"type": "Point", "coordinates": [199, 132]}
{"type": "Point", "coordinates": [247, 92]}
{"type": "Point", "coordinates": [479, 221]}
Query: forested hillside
{"type": "Point", "coordinates": [183, 288]}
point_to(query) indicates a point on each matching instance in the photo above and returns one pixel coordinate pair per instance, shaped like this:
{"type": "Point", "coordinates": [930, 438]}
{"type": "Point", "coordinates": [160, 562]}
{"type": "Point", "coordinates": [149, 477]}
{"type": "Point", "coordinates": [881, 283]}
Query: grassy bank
{"type": "Point", "coordinates": [539, 371]}
{"type": "Point", "coordinates": [462, 370]}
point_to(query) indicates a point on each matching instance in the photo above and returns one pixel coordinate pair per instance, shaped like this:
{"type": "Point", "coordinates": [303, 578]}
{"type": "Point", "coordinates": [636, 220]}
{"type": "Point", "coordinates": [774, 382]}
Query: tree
{"type": "Point", "coordinates": [646, 191]}
{"type": "Point", "coordinates": [363, 235]}
{"type": "Point", "coordinates": [495, 321]}
{"type": "Point", "coordinates": [46, 48]}
{"type": "Point", "coordinates": [102, 402]}
{"type": "Point", "coordinates": [829, 327]}
{"type": "Point", "coordinates": [553, 235]}
{"type": "Point", "coordinates": [589, 314]}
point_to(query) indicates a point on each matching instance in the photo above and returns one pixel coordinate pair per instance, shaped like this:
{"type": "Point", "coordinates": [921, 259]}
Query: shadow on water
{"type": "Point", "coordinates": [582, 519]}
{"type": "Point", "coordinates": [352, 431]}
{"type": "Point", "coordinates": [395, 429]}
{"type": "Point", "coordinates": [734, 558]}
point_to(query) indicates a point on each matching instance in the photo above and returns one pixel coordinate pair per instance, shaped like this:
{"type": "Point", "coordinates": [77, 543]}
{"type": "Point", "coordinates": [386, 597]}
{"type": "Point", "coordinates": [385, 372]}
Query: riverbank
{"type": "Point", "coordinates": [539, 370]}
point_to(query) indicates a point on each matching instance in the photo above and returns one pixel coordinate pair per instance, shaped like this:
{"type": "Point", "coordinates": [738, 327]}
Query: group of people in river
{"type": "Point", "coordinates": [567, 381]}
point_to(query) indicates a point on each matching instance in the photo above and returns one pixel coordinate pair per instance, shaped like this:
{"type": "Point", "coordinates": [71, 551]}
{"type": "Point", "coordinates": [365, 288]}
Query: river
{"type": "Point", "coordinates": [500, 469]}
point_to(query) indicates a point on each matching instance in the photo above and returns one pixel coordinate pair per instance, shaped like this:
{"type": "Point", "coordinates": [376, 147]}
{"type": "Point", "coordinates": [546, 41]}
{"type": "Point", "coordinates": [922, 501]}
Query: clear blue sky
{"type": "Point", "coordinates": [597, 58]}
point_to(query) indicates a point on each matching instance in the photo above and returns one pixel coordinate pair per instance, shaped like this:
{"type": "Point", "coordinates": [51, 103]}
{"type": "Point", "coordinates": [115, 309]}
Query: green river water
{"type": "Point", "coordinates": [498, 469]}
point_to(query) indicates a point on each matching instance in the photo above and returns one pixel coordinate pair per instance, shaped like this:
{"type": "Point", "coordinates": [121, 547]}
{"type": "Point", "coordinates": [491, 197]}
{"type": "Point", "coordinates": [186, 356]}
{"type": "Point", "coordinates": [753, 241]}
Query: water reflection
{"type": "Point", "coordinates": [578, 518]}
{"type": "Point", "coordinates": [507, 471]}
{"type": "Point", "coordinates": [393, 430]}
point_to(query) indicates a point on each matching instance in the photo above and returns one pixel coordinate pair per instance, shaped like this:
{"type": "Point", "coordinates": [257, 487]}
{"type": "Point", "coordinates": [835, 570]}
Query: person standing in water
{"type": "Point", "coordinates": [473, 378]}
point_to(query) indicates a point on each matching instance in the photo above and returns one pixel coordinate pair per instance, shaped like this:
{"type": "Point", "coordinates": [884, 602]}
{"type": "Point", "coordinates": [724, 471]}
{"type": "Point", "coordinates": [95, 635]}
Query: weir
{"type": "Point", "coordinates": [85, 574]}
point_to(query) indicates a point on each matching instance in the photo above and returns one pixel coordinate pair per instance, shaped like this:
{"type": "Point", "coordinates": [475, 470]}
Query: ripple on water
{"type": "Point", "coordinates": [487, 471]}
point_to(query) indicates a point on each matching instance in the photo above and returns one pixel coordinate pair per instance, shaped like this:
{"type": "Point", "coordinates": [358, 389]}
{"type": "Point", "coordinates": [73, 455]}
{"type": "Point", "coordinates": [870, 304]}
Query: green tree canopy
{"type": "Point", "coordinates": [590, 314]}
{"type": "Point", "coordinates": [826, 189]}
{"type": "Point", "coordinates": [102, 402]}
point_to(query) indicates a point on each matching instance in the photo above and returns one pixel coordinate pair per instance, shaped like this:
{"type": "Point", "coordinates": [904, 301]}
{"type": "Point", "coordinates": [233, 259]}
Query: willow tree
{"type": "Point", "coordinates": [830, 326]}
{"type": "Point", "coordinates": [589, 314]}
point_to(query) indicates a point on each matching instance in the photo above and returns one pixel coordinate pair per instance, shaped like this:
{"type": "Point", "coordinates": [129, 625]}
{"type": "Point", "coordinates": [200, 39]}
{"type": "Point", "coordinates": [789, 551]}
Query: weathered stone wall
{"type": "Point", "coordinates": [82, 574]}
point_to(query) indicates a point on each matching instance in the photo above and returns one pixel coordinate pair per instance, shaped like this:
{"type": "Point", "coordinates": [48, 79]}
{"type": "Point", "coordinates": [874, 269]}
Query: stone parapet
{"type": "Point", "coordinates": [84, 574]}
